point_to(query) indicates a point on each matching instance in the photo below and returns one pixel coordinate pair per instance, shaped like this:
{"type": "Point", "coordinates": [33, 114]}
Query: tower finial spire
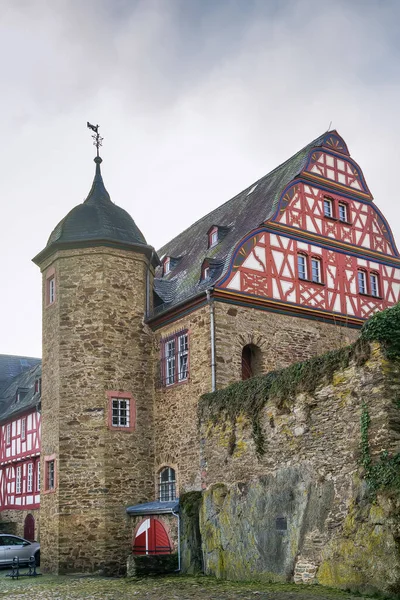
{"type": "Point", "coordinates": [98, 141]}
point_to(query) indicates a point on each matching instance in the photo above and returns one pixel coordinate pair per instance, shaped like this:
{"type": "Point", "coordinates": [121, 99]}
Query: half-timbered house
{"type": "Point", "coordinates": [289, 268]}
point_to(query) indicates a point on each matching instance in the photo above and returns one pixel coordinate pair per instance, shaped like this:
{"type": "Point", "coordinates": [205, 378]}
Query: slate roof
{"type": "Point", "coordinates": [11, 366]}
{"type": "Point", "coordinates": [153, 508]}
{"type": "Point", "coordinates": [240, 215]}
{"type": "Point", "coordinates": [97, 219]}
{"type": "Point", "coordinates": [25, 380]}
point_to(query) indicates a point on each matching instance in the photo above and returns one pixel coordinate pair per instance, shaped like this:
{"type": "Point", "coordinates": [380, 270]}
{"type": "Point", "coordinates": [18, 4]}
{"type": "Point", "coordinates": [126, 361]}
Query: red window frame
{"type": "Point", "coordinates": [335, 216]}
{"type": "Point", "coordinates": [309, 257]}
{"type": "Point", "coordinates": [48, 461]}
{"type": "Point", "coordinates": [120, 396]}
{"type": "Point", "coordinates": [368, 273]}
{"type": "Point", "coordinates": [171, 376]}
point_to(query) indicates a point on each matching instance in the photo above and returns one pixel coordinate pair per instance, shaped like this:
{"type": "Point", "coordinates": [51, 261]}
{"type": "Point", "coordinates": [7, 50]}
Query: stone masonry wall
{"type": "Point", "coordinates": [303, 510]}
{"type": "Point", "coordinates": [95, 341]}
{"type": "Point", "coordinates": [282, 339]}
{"type": "Point", "coordinates": [177, 440]}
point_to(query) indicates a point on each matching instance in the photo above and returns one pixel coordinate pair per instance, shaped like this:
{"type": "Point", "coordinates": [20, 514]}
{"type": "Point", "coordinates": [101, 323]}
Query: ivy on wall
{"type": "Point", "coordinates": [281, 387]}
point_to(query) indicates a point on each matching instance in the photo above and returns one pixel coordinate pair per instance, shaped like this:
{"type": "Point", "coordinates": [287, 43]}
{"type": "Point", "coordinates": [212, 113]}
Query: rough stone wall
{"type": "Point", "coordinates": [283, 339]}
{"type": "Point", "coordinates": [302, 510]}
{"type": "Point", "coordinates": [95, 340]}
{"type": "Point", "coordinates": [13, 521]}
{"type": "Point", "coordinates": [176, 430]}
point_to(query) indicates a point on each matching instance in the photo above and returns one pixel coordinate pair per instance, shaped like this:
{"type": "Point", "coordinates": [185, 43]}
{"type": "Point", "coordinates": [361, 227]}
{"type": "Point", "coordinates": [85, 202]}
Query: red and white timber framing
{"type": "Point", "coordinates": [354, 237]}
{"type": "Point", "coordinates": [20, 462]}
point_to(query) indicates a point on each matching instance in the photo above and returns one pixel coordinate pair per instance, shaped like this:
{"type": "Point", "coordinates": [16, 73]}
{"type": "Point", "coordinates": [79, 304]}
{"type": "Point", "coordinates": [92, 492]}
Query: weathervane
{"type": "Point", "coordinates": [98, 141]}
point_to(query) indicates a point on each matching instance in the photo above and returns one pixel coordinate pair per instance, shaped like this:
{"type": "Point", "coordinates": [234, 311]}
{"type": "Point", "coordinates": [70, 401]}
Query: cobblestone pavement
{"type": "Point", "coordinates": [49, 587]}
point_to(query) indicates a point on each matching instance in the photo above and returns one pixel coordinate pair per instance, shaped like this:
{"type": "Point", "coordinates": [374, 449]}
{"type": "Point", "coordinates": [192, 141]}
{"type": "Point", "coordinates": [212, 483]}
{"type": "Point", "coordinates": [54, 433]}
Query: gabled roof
{"type": "Point", "coordinates": [240, 215]}
{"type": "Point", "coordinates": [9, 407]}
{"type": "Point", "coordinates": [11, 366]}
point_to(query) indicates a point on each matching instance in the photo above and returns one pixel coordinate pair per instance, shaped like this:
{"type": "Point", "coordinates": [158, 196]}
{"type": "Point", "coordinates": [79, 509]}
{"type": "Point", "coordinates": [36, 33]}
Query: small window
{"type": "Point", "coordinates": [167, 266]}
{"type": "Point", "coordinates": [38, 477]}
{"type": "Point", "coordinates": [29, 478]}
{"type": "Point", "coordinates": [38, 385]}
{"type": "Point", "coordinates": [18, 480]}
{"type": "Point", "coordinates": [167, 485]}
{"type": "Point", "coordinates": [373, 280]}
{"type": "Point", "coordinates": [362, 282]}
{"type": "Point", "coordinates": [302, 266]}
{"type": "Point", "coordinates": [316, 270]}
{"type": "Point", "coordinates": [251, 361]}
{"type": "Point", "coordinates": [343, 212]}
{"type": "Point", "coordinates": [50, 475]}
{"type": "Point", "coordinates": [213, 237]}
{"type": "Point", "coordinates": [328, 207]}
{"type": "Point", "coordinates": [120, 412]}
{"type": "Point", "coordinates": [23, 428]}
{"type": "Point", "coordinates": [175, 358]}
{"type": "Point", "coordinates": [8, 434]}
{"type": "Point", "coordinates": [206, 272]}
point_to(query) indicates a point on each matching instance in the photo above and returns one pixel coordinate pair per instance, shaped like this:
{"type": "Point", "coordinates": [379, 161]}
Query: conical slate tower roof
{"type": "Point", "coordinates": [97, 221]}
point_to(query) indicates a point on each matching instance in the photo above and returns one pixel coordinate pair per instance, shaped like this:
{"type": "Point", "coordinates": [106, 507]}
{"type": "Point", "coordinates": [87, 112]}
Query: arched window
{"type": "Point", "coordinates": [251, 361]}
{"type": "Point", "coordinates": [167, 485]}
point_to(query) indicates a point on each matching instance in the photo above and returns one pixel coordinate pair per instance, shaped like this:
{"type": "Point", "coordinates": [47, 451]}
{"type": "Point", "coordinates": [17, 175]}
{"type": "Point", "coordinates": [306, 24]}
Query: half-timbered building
{"type": "Point", "coordinates": [289, 268]}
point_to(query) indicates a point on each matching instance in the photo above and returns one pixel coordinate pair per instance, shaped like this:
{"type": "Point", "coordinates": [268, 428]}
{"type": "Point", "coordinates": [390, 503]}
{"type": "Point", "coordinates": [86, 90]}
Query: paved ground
{"type": "Point", "coordinates": [163, 588]}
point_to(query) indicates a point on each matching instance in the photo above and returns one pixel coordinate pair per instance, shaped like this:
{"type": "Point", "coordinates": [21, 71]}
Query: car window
{"type": "Point", "coordinates": [9, 540]}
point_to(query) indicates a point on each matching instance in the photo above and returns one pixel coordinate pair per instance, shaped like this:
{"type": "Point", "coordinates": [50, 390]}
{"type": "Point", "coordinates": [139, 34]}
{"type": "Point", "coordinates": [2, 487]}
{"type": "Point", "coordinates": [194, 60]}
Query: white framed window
{"type": "Point", "coordinates": [362, 282]}
{"type": "Point", "coordinates": [213, 237]}
{"type": "Point", "coordinates": [29, 478]}
{"type": "Point", "coordinates": [38, 477]}
{"type": "Point", "coordinates": [343, 216]}
{"type": "Point", "coordinates": [18, 480]}
{"type": "Point", "coordinates": [302, 266]}
{"type": "Point", "coordinates": [50, 479]}
{"type": "Point", "coordinates": [316, 270]}
{"type": "Point", "coordinates": [328, 207]}
{"type": "Point", "coordinates": [175, 358]}
{"type": "Point", "coordinates": [23, 428]}
{"type": "Point", "coordinates": [52, 289]}
{"type": "Point", "coordinates": [120, 412]}
{"type": "Point", "coordinates": [8, 434]}
{"type": "Point", "coordinates": [167, 485]}
{"type": "Point", "coordinates": [374, 285]}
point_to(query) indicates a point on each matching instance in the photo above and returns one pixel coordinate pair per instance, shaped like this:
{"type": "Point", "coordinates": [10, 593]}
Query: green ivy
{"type": "Point", "coordinates": [281, 387]}
{"type": "Point", "coordinates": [384, 327]}
{"type": "Point", "coordinates": [385, 472]}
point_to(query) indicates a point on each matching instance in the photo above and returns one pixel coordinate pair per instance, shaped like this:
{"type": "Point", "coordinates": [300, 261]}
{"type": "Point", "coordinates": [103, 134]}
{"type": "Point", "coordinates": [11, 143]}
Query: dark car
{"type": "Point", "coordinates": [12, 545]}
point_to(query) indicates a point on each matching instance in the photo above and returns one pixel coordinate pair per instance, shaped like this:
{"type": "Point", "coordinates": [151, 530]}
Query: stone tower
{"type": "Point", "coordinates": [97, 396]}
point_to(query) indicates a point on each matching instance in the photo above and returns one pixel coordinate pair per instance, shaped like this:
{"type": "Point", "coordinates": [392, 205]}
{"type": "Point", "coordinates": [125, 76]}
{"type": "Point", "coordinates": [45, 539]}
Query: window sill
{"type": "Point", "coordinates": [126, 429]}
{"type": "Point", "coordinates": [168, 386]}
{"type": "Point", "coordinates": [312, 282]}
{"type": "Point", "coordinates": [52, 491]}
{"type": "Point", "coordinates": [370, 296]}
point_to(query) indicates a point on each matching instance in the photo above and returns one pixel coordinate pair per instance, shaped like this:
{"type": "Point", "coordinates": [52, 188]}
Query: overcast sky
{"type": "Point", "coordinates": [196, 99]}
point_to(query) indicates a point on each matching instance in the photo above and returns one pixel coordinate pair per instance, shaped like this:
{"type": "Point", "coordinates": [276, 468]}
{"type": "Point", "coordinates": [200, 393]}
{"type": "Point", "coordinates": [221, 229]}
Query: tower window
{"type": "Point", "coordinates": [38, 477]}
{"type": "Point", "coordinates": [167, 485]}
{"type": "Point", "coordinates": [175, 358]}
{"type": "Point", "coordinates": [50, 287]}
{"type": "Point", "coordinates": [50, 475]}
{"type": "Point", "coordinates": [121, 411]}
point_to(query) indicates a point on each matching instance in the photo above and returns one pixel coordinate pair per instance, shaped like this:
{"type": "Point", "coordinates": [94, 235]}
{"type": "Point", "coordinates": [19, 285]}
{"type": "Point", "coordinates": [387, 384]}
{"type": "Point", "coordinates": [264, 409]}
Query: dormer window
{"type": "Point", "coordinates": [213, 237]}
{"type": "Point", "coordinates": [38, 385]}
{"type": "Point", "coordinates": [206, 272]}
{"type": "Point", "coordinates": [167, 265]}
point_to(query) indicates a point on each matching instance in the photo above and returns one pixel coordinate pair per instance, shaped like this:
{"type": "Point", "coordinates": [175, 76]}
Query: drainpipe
{"type": "Point", "coordinates": [148, 286]}
{"type": "Point", "coordinates": [179, 539]}
{"type": "Point", "coordinates": [212, 337]}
